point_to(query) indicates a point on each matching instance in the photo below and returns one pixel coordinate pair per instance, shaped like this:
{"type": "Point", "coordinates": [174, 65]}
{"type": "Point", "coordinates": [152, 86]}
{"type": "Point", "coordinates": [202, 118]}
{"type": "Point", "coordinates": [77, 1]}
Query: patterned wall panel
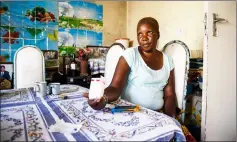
{"type": "Point", "coordinates": [49, 25]}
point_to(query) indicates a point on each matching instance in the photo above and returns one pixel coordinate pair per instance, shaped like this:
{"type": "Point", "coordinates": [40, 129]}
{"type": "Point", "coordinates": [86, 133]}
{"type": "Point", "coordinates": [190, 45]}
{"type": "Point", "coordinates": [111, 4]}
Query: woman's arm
{"type": "Point", "coordinates": [119, 80]}
{"type": "Point", "coordinates": [170, 96]}
{"type": "Point", "coordinates": [113, 91]}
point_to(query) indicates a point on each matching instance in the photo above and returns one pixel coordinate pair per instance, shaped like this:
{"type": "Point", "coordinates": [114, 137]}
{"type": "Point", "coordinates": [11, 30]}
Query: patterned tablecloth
{"type": "Point", "coordinates": [27, 117]}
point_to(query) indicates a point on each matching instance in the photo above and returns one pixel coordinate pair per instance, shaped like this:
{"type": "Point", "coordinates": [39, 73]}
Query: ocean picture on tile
{"type": "Point", "coordinates": [80, 14]}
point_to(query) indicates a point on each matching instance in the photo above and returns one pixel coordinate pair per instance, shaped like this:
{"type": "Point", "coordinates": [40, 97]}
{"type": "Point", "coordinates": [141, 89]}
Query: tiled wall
{"type": "Point", "coordinates": [49, 25]}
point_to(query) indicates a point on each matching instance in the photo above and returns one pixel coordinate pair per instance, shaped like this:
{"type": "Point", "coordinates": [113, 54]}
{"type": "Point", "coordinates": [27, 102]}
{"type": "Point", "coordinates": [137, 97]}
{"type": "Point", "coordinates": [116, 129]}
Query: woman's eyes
{"type": "Point", "coordinates": [149, 33]}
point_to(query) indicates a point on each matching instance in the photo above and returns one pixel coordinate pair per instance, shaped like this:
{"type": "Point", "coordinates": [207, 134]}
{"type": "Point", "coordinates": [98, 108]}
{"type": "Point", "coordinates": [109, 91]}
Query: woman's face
{"type": "Point", "coordinates": [147, 37]}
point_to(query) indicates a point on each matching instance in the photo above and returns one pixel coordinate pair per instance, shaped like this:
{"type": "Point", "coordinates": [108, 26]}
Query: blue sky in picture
{"type": "Point", "coordinates": [73, 32]}
{"type": "Point", "coordinates": [81, 34]}
{"type": "Point", "coordinates": [91, 35]}
{"type": "Point", "coordinates": [15, 8]}
{"type": "Point", "coordinates": [17, 44]}
{"type": "Point", "coordinates": [81, 9]}
{"type": "Point", "coordinates": [16, 20]}
{"type": "Point", "coordinates": [4, 20]}
{"type": "Point", "coordinates": [41, 44]}
{"type": "Point", "coordinates": [4, 45]}
{"type": "Point", "coordinates": [29, 42]}
{"type": "Point", "coordinates": [94, 11]}
{"type": "Point", "coordinates": [95, 42]}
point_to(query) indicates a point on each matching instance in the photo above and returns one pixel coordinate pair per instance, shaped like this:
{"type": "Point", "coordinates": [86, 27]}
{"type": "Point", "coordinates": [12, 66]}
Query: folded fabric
{"type": "Point", "coordinates": [64, 127]}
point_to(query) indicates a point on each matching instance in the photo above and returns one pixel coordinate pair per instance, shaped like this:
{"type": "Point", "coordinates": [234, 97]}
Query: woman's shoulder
{"type": "Point", "coordinates": [130, 51]}
{"type": "Point", "coordinates": [166, 56]}
{"type": "Point", "coordinates": [168, 60]}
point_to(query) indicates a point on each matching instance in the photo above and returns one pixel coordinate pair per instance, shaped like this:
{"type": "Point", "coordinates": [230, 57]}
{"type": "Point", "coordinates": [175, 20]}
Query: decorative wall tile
{"type": "Point", "coordinates": [18, 43]}
{"type": "Point", "coordinates": [52, 9]}
{"type": "Point", "coordinates": [91, 35]}
{"type": "Point", "coordinates": [49, 25]}
{"type": "Point", "coordinates": [29, 42]}
{"type": "Point", "coordinates": [65, 38]}
{"type": "Point", "coordinates": [4, 30]}
{"type": "Point", "coordinates": [28, 33]}
{"type": "Point", "coordinates": [4, 43]}
{"type": "Point", "coordinates": [52, 38]}
{"type": "Point", "coordinates": [12, 54]}
{"type": "Point", "coordinates": [28, 22]}
{"type": "Point", "coordinates": [6, 54]}
{"type": "Point", "coordinates": [4, 20]}
{"type": "Point", "coordinates": [81, 34]}
{"type": "Point", "coordinates": [42, 44]}
{"type": "Point", "coordinates": [4, 7]}
{"type": "Point", "coordinates": [40, 34]}
{"type": "Point", "coordinates": [15, 20]}
{"type": "Point", "coordinates": [15, 9]}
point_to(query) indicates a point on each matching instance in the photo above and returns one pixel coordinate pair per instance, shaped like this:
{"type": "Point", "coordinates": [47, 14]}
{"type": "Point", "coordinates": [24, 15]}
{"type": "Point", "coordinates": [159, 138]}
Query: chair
{"type": "Point", "coordinates": [29, 66]}
{"type": "Point", "coordinates": [180, 54]}
{"type": "Point", "coordinates": [112, 58]}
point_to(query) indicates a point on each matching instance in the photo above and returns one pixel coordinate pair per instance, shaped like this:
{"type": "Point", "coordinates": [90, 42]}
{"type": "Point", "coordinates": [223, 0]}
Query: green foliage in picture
{"type": "Point", "coordinates": [34, 31]}
{"type": "Point", "coordinates": [89, 24]}
{"type": "Point", "coordinates": [66, 50]}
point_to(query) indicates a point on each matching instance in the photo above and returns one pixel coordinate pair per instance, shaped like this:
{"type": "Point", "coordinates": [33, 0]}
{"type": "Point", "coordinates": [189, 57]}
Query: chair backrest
{"type": "Point", "coordinates": [180, 54]}
{"type": "Point", "coordinates": [29, 66]}
{"type": "Point", "coordinates": [112, 58]}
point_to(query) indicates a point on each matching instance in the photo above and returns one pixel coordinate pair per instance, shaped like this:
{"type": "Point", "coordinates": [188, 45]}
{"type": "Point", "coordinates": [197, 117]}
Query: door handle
{"type": "Point", "coordinates": [217, 20]}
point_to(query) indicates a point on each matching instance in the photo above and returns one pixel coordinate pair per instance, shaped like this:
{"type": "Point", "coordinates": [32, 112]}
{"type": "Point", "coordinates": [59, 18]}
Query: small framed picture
{"type": "Point", "coordinates": [6, 75]}
{"type": "Point", "coordinates": [98, 51]}
{"type": "Point", "coordinates": [50, 54]}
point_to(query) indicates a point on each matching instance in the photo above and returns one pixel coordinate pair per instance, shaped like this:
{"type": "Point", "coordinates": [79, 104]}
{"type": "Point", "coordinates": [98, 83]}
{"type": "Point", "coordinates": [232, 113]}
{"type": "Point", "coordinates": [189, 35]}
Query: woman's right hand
{"type": "Point", "coordinates": [96, 104]}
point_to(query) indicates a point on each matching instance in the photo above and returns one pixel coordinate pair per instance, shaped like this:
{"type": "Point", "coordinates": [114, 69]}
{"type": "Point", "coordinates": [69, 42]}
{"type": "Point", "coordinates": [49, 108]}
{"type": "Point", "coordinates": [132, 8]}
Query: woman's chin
{"type": "Point", "coordinates": [147, 49]}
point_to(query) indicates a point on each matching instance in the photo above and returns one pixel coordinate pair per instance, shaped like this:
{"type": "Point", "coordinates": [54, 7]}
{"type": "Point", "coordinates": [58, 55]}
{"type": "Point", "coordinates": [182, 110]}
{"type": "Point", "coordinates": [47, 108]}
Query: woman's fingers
{"type": "Point", "coordinates": [86, 95]}
{"type": "Point", "coordinates": [93, 102]}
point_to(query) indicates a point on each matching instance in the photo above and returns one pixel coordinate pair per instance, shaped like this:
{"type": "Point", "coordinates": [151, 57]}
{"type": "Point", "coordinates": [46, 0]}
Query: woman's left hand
{"type": "Point", "coordinates": [96, 104]}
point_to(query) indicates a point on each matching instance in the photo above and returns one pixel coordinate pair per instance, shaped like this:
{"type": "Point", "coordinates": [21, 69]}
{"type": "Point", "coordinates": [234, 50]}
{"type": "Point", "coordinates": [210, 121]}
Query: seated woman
{"type": "Point", "coordinates": [144, 75]}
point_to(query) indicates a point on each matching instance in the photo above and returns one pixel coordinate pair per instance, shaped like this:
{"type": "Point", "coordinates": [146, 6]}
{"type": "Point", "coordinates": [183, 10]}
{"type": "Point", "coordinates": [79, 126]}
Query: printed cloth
{"type": "Point", "coordinates": [97, 66]}
{"type": "Point", "coordinates": [29, 121]}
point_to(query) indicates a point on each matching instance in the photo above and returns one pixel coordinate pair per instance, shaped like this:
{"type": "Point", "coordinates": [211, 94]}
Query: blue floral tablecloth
{"type": "Point", "coordinates": [29, 119]}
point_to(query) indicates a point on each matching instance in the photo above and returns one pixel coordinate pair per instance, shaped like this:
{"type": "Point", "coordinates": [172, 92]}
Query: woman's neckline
{"type": "Point", "coordinates": [147, 65]}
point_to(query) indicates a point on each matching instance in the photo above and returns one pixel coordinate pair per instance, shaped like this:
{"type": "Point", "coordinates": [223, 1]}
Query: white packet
{"type": "Point", "coordinates": [97, 87]}
{"type": "Point", "coordinates": [64, 127]}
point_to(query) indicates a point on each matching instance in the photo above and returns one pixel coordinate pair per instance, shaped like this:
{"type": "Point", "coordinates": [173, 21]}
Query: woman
{"type": "Point", "coordinates": [143, 75]}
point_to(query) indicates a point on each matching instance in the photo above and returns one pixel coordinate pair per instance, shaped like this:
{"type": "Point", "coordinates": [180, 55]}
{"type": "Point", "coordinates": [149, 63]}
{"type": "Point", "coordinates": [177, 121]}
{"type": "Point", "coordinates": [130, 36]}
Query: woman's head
{"type": "Point", "coordinates": [148, 33]}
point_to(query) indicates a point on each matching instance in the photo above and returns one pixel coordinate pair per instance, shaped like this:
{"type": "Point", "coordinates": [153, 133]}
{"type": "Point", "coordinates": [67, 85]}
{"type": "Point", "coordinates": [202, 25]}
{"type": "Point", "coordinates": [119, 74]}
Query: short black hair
{"type": "Point", "coordinates": [150, 21]}
{"type": "Point", "coordinates": [2, 66]}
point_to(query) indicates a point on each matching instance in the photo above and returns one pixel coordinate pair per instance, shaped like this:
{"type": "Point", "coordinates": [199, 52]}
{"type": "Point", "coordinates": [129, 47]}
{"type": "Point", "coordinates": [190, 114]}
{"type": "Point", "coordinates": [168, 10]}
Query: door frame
{"type": "Point", "coordinates": [205, 73]}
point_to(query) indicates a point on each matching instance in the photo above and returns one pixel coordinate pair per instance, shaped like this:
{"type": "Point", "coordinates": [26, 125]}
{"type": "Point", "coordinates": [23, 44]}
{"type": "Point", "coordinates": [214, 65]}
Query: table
{"type": "Point", "coordinates": [25, 116]}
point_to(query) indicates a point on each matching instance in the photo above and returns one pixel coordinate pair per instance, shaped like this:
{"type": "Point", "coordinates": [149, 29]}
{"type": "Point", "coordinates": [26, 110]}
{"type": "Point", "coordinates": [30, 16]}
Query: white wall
{"type": "Point", "coordinates": [178, 20]}
{"type": "Point", "coordinates": [114, 20]}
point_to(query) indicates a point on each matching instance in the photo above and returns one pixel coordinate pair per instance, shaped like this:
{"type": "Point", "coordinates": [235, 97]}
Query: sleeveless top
{"type": "Point", "coordinates": [145, 85]}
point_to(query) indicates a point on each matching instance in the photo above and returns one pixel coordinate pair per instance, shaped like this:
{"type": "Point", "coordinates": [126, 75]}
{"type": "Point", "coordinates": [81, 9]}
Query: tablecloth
{"type": "Point", "coordinates": [29, 121]}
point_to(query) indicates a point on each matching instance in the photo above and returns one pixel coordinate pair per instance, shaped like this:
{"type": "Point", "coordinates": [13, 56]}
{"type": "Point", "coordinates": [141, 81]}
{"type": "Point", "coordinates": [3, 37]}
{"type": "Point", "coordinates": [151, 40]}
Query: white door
{"type": "Point", "coordinates": [219, 90]}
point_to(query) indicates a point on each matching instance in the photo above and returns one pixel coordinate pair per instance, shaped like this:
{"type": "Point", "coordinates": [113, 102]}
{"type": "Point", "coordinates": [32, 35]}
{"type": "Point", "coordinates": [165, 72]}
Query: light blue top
{"type": "Point", "coordinates": [145, 85]}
